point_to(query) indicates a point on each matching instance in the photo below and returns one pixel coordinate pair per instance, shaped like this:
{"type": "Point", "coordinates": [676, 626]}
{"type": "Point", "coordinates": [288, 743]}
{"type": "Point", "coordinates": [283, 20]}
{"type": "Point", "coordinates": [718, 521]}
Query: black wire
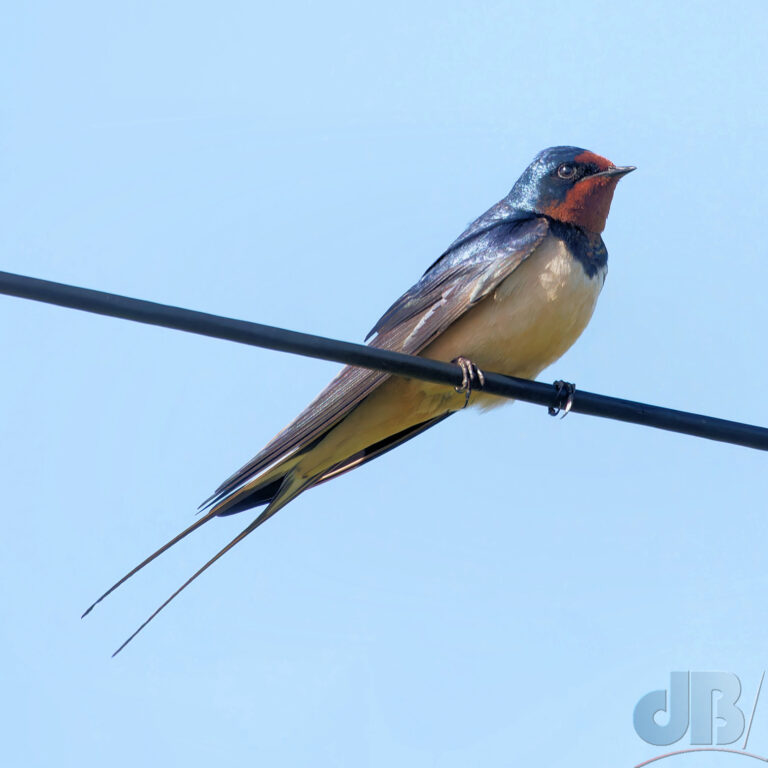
{"type": "Point", "coordinates": [269, 337]}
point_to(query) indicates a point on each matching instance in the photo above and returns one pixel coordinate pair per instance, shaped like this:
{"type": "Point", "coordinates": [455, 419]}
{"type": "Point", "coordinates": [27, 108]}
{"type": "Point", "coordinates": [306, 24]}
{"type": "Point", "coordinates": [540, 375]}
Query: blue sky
{"type": "Point", "coordinates": [500, 591]}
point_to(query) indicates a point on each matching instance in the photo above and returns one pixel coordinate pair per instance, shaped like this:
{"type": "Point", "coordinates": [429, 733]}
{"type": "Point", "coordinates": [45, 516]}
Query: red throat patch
{"type": "Point", "coordinates": [588, 202]}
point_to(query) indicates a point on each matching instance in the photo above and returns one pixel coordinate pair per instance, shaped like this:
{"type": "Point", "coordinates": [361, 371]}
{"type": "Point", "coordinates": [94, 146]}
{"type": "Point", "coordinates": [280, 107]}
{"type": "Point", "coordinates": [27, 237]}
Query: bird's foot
{"type": "Point", "coordinates": [471, 377]}
{"type": "Point", "coordinates": [564, 391]}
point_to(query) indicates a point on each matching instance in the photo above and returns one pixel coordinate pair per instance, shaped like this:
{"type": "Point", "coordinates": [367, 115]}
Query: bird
{"type": "Point", "coordinates": [511, 294]}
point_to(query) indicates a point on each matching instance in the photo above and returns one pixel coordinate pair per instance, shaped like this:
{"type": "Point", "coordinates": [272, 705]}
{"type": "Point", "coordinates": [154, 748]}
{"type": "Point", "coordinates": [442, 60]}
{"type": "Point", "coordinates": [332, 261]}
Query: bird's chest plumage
{"type": "Point", "coordinates": [531, 318]}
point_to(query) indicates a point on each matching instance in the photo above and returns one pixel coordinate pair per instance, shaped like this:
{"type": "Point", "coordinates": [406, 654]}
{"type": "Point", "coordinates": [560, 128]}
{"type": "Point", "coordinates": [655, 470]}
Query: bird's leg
{"type": "Point", "coordinates": [565, 392]}
{"type": "Point", "coordinates": [471, 376]}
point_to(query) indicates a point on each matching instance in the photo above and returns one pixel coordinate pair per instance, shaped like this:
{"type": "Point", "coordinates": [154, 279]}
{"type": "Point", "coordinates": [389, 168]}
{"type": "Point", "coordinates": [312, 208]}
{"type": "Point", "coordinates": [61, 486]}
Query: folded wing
{"type": "Point", "coordinates": [465, 274]}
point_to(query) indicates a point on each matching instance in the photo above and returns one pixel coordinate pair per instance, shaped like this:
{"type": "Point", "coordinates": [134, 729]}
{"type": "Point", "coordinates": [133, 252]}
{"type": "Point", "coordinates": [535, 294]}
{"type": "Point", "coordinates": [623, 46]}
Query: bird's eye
{"type": "Point", "coordinates": [566, 171]}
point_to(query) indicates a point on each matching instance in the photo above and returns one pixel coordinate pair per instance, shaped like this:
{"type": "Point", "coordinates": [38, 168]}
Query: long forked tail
{"type": "Point", "coordinates": [291, 487]}
{"type": "Point", "coordinates": [218, 507]}
{"type": "Point", "coordinates": [149, 559]}
{"type": "Point", "coordinates": [257, 522]}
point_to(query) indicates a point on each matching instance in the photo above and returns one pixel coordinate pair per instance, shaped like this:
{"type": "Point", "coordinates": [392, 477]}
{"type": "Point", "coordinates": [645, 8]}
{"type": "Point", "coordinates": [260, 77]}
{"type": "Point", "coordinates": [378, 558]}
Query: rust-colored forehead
{"type": "Point", "coordinates": [590, 157]}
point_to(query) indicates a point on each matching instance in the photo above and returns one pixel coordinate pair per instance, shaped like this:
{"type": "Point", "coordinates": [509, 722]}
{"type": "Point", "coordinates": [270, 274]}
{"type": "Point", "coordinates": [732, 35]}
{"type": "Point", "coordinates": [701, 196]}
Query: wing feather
{"type": "Point", "coordinates": [465, 274]}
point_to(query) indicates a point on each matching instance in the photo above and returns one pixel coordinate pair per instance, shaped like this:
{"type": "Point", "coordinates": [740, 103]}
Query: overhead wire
{"type": "Point", "coordinates": [553, 396]}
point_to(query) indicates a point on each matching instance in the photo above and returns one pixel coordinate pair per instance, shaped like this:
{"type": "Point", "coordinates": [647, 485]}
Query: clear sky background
{"type": "Point", "coordinates": [500, 591]}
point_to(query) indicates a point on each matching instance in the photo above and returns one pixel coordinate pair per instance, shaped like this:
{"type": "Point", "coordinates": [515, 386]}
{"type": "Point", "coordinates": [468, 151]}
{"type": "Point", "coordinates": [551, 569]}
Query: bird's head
{"type": "Point", "coordinates": [569, 184]}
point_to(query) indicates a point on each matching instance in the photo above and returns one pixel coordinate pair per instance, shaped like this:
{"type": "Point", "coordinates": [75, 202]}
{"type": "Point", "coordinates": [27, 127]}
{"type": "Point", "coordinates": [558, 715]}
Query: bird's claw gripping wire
{"type": "Point", "coordinates": [471, 377]}
{"type": "Point", "coordinates": [564, 391]}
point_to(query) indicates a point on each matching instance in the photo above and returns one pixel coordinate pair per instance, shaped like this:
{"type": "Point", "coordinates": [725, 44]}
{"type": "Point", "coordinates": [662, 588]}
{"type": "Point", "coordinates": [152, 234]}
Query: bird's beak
{"type": "Point", "coordinates": [617, 170]}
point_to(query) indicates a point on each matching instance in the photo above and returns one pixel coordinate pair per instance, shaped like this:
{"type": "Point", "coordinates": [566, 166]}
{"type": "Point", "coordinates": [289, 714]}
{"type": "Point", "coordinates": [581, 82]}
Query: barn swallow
{"type": "Point", "coordinates": [511, 294]}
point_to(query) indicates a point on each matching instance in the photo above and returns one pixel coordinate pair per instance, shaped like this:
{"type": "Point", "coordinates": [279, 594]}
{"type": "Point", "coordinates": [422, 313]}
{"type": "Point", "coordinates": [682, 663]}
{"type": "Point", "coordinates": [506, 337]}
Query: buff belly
{"type": "Point", "coordinates": [530, 320]}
